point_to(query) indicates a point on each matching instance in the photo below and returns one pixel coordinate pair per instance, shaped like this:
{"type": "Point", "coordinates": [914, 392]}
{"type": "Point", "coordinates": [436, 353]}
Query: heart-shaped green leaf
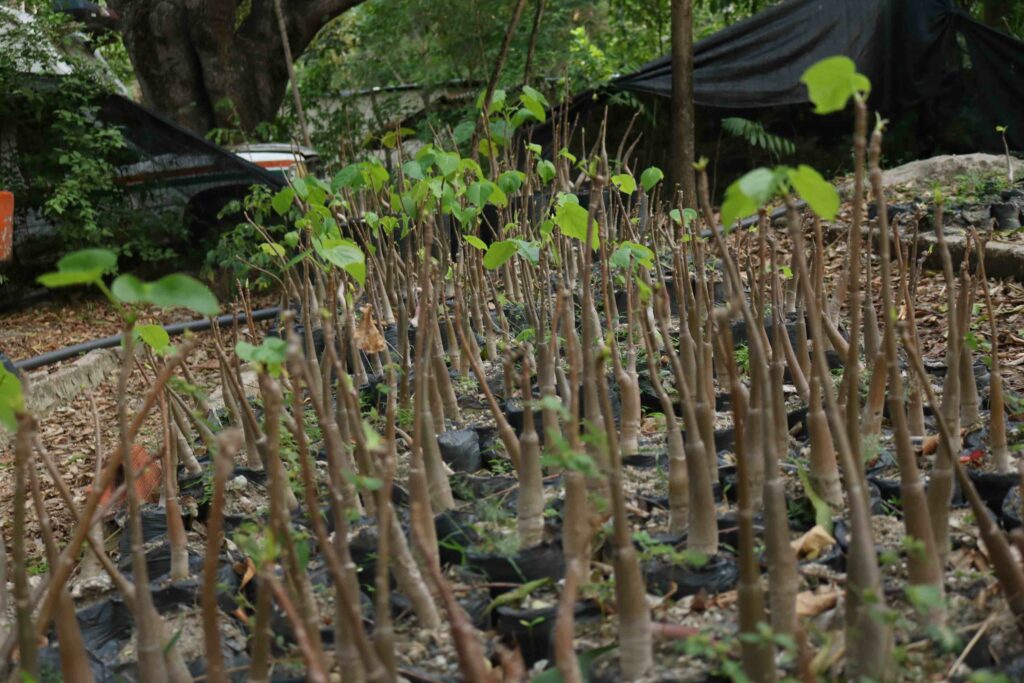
{"type": "Point", "coordinates": [344, 254]}
{"type": "Point", "coordinates": [832, 82]}
{"type": "Point", "coordinates": [625, 182]}
{"type": "Point", "coordinates": [499, 253]}
{"type": "Point", "coordinates": [571, 219]}
{"type": "Point", "coordinates": [154, 336]}
{"type": "Point", "coordinates": [183, 291]}
{"type": "Point", "coordinates": [80, 268]}
{"type": "Point", "coordinates": [651, 177]}
{"type": "Point", "coordinates": [819, 194]}
{"type": "Point", "coordinates": [12, 401]}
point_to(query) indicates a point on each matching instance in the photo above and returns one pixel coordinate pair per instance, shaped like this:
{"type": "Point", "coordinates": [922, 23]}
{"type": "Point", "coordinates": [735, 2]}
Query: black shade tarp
{"type": "Point", "coordinates": [758, 62]}
{"type": "Point", "coordinates": [912, 50]}
{"type": "Point", "coordinates": [164, 144]}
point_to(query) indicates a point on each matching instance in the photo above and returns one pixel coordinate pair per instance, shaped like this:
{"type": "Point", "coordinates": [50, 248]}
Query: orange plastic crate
{"type": "Point", "coordinates": [6, 226]}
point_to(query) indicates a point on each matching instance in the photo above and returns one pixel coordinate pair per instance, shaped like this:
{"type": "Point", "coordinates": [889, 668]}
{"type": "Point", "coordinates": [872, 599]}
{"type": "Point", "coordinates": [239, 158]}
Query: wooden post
{"type": "Point", "coordinates": [684, 154]}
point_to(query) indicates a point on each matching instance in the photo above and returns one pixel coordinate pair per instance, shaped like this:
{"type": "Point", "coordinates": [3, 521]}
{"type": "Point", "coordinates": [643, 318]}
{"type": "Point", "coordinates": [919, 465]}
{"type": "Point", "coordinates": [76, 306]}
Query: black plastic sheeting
{"type": "Point", "coordinates": [108, 626]}
{"type": "Point", "coordinates": [165, 144]}
{"type": "Point", "coordinates": [758, 62]}
{"type": "Point", "coordinates": [910, 49]}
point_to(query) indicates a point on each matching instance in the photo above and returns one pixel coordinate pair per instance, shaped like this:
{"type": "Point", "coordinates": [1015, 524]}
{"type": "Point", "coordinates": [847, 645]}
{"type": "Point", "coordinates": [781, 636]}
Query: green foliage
{"type": "Point", "coordinates": [747, 195]}
{"type": "Point", "coordinates": [832, 82]}
{"type": "Point", "coordinates": [521, 593]}
{"type": "Point", "coordinates": [12, 401]}
{"type": "Point", "coordinates": [258, 543]}
{"type": "Point", "coordinates": [546, 170]}
{"type": "Point", "coordinates": [1003, 16]}
{"type": "Point", "coordinates": [742, 356]}
{"type": "Point", "coordinates": [651, 177]}
{"type": "Point", "coordinates": [228, 258]}
{"type": "Point", "coordinates": [66, 164]}
{"type": "Point", "coordinates": [684, 217]}
{"type": "Point", "coordinates": [977, 187]}
{"type": "Point", "coordinates": [631, 251]}
{"type": "Point", "coordinates": [80, 268]}
{"type": "Point", "coordinates": [986, 676]}
{"type": "Point", "coordinates": [362, 483]}
{"type": "Point", "coordinates": [559, 454]}
{"type": "Point", "coordinates": [269, 355]}
{"type": "Point", "coordinates": [819, 194]}
{"type": "Point", "coordinates": [572, 219]}
{"type": "Point", "coordinates": [822, 511]}
{"type": "Point", "coordinates": [534, 102]}
{"type": "Point", "coordinates": [499, 253]}
{"type": "Point", "coordinates": [344, 254]}
{"type": "Point", "coordinates": [88, 266]}
{"type": "Point", "coordinates": [283, 200]}
{"type": "Point", "coordinates": [381, 43]}
{"type": "Point", "coordinates": [651, 549]}
{"type": "Point", "coordinates": [154, 336]}
{"type": "Point", "coordinates": [625, 182]}
{"type": "Point", "coordinates": [170, 291]}
{"type": "Point", "coordinates": [756, 136]}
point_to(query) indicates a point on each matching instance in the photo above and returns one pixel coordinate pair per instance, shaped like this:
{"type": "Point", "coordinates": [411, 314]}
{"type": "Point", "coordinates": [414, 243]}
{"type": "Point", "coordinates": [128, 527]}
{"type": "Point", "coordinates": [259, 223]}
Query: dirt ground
{"type": "Point", "coordinates": [69, 433]}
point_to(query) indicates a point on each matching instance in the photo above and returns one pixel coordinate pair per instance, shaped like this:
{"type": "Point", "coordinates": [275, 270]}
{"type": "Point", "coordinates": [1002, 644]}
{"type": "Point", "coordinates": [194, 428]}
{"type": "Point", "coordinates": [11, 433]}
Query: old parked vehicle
{"type": "Point", "coordinates": [166, 187]}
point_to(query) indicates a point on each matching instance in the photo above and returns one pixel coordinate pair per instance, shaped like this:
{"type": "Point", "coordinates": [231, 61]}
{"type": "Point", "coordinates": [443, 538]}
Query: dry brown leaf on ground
{"type": "Point", "coordinates": [723, 600]}
{"type": "Point", "coordinates": [811, 604]}
{"type": "Point", "coordinates": [652, 425]}
{"type": "Point", "coordinates": [367, 335]}
{"type": "Point", "coordinates": [812, 544]}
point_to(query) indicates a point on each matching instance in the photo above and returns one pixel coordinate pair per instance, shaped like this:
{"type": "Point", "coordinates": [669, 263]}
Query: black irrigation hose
{"type": "Point", "coordinates": [172, 329]}
{"type": "Point", "coordinates": [751, 221]}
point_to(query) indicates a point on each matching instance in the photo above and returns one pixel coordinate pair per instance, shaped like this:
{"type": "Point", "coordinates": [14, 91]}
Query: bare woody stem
{"type": "Point", "coordinates": [228, 444]}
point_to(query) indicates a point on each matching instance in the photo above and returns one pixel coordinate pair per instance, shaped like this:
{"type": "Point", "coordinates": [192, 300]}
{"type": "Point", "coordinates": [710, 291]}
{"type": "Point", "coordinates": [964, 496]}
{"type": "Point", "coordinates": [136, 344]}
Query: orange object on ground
{"type": "Point", "coordinates": [6, 226]}
{"type": "Point", "coordinates": [147, 472]}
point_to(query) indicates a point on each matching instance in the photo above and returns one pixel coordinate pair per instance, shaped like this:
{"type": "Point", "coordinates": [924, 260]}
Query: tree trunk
{"type": "Point", "coordinates": [217, 63]}
{"type": "Point", "coordinates": [684, 153]}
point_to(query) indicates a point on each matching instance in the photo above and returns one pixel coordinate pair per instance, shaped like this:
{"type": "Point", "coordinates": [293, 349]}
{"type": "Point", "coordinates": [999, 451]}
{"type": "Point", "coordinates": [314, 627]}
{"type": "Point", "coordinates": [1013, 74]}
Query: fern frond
{"type": "Point", "coordinates": [756, 136]}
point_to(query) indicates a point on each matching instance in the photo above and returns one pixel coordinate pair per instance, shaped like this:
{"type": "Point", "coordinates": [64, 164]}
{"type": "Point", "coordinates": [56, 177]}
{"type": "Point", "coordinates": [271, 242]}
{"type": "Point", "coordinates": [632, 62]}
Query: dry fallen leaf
{"type": "Point", "coordinates": [723, 600]}
{"type": "Point", "coordinates": [367, 335]}
{"type": "Point", "coordinates": [248, 572]}
{"type": "Point", "coordinates": [700, 601]}
{"type": "Point", "coordinates": [811, 604]}
{"type": "Point", "coordinates": [651, 425]}
{"type": "Point", "coordinates": [811, 545]}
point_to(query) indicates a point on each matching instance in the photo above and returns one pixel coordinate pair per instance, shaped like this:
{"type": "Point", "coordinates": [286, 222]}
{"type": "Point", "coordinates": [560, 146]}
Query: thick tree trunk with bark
{"type": "Point", "coordinates": [684, 153]}
{"type": "Point", "coordinates": [217, 63]}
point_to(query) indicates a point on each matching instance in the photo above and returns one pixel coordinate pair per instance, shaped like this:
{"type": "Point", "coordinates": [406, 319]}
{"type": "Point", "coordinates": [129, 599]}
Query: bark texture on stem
{"type": "Point", "coordinates": [684, 153]}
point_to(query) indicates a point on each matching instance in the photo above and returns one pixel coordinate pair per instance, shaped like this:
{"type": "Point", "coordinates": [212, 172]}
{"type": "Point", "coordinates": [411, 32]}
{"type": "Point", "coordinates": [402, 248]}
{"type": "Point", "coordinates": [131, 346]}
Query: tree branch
{"type": "Point", "coordinates": [313, 15]}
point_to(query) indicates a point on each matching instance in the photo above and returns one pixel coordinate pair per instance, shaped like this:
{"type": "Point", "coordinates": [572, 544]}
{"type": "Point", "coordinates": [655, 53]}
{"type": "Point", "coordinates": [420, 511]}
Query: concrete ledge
{"type": "Point", "coordinates": [1003, 260]}
{"type": "Point", "coordinates": [921, 174]}
{"type": "Point", "coordinates": [45, 390]}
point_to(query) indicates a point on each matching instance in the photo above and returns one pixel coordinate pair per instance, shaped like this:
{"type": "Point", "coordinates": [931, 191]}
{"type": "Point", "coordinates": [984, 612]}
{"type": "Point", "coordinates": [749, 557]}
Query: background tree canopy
{"type": "Point", "coordinates": [452, 47]}
{"type": "Point", "coordinates": [445, 50]}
